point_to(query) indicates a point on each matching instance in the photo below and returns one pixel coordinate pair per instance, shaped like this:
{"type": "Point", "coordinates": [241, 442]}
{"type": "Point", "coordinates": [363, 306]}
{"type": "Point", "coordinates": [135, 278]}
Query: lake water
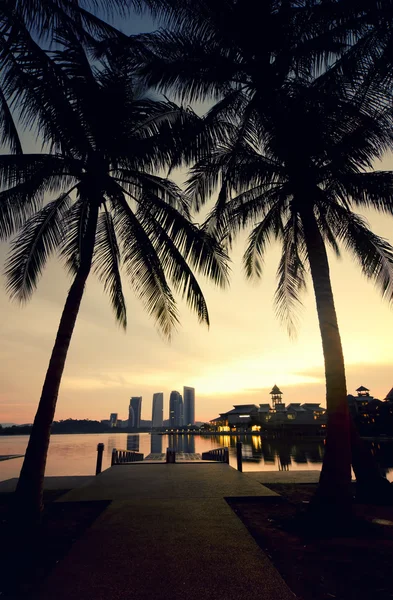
{"type": "Point", "coordinates": [76, 454]}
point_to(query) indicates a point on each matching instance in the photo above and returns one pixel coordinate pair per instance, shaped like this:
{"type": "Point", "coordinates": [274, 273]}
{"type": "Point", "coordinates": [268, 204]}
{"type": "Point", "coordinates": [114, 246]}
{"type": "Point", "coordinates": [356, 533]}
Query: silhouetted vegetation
{"type": "Point", "coordinates": [302, 109]}
{"type": "Point", "coordinates": [66, 426]}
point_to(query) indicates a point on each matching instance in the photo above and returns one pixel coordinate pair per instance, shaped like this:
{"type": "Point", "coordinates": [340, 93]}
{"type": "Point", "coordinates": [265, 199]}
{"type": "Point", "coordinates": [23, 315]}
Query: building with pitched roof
{"type": "Point", "coordinates": [304, 418]}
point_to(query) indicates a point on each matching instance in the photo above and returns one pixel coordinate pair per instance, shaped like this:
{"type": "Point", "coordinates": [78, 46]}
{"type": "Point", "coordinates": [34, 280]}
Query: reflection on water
{"type": "Point", "coordinates": [76, 454]}
{"type": "Point", "coordinates": [133, 442]}
{"type": "Point", "coordinates": [156, 444]}
{"type": "Point", "coordinates": [182, 443]}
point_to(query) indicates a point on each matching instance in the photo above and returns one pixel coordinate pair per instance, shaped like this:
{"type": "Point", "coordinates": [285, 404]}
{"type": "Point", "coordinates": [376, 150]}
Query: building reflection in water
{"type": "Point", "coordinates": [156, 444]}
{"type": "Point", "coordinates": [281, 453]}
{"type": "Point", "coordinates": [182, 443]}
{"type": "Point", "coordinates": [133, 442]}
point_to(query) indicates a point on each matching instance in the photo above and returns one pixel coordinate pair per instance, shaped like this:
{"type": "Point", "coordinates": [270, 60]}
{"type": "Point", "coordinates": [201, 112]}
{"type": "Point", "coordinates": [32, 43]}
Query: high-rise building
{"type": "Point", "coordinates": [189, 406]}
{"type": "Point", "coordinates": [157, 416]}
{"type": "Point", "coordinates": [113, 420]}
{"type": "Point", "coordinates": [134, 412]}
{"type": "Point", "coordinates": [175, 409]}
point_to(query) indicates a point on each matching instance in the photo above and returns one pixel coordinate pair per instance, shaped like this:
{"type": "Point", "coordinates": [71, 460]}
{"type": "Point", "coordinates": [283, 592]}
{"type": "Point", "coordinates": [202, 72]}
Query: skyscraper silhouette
{"type": "Point", "coordinates": [188, 406]}
{"type": "Point", "coordinates": [134, 412]}
{"type": "Point", "coordinates": [175, 409]}
{"type": "Point", "coordinates": [157, 416]}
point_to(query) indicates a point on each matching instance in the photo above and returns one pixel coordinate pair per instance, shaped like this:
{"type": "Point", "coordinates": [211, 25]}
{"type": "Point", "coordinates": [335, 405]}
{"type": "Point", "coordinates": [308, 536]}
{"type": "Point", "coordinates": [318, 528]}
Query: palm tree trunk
{"type": "Point", "coordinates": [371, 486]}
{"type": "Point", "coordinates": [29, 491]}
{"type": "Point", "coordinates": [335, 481]}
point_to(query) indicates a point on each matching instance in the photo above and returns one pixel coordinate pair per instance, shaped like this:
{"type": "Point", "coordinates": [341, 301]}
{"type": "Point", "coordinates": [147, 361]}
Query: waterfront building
{"type": "Point", "coordinates": [175, 409]}
{"type": "Point", "coordinates": [276, 395]}
{"type": "Point", "coordinates": [295, 417]}
{"type": "Point", "coordinates": [372, 416]}
{"type": "Point", "coordinates": [134, 412]}
{"type": "Point", "coordinates": [157, 417]}
{"type": "Point", "coordinates": [113, 420]}
{"type": "Point", "coordinates": [188, 406]}
{"type": "Point", "coordinates": [389, 397]}
{"type": "Point", "coordinates": [239, 418]}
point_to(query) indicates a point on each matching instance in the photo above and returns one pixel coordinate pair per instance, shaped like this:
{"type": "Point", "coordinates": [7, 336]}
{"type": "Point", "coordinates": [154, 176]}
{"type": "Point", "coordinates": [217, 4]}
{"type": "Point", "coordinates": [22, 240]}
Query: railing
{"type": "Point", "coordinates": [218, 455]}
{"type": "Point", "coordinates": [239, 456]}
{"type": "Point", "coordinates": [100, 451]}
{"type": "Point", "coordinates": [120, 457]}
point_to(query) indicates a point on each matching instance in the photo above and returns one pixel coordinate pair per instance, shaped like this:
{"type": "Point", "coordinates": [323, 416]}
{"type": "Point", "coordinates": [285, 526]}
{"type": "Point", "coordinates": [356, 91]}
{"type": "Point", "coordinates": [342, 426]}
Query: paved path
{"type": "Point", "coordinates": [149, 480]}
{"type": "Point", "coordinates": [168, 534]}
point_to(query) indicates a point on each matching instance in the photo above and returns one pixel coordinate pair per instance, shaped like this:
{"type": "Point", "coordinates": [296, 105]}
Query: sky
{"type": "Point", "coordinates": [238, 360]}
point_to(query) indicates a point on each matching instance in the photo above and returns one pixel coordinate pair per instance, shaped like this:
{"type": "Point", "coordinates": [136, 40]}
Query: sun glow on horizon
{"type": "Point", "coordinates": [249, 375]}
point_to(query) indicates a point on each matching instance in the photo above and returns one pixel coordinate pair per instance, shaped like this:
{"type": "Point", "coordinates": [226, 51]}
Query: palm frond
{"type": "Point", "coordinates": [106, 264]}
{"type": "Point", "coordinates": [373, 253]}
{"type": "Point", "coordinates": [370, 190]}
{"type": "Point", "coordinates": [27, 178]}
{"type": "Point", "coordinates": [291, 276]}
{"type": "Point", "coordinates": [75, 224]}
{"type": "Point", "coordinates": [38, 239]}
{"type": "Point", "coordinates": [143, 267]}
{"type": "Point", "coordinates": [142, 186]}
{"type": "Point", "coordinates": [176, 267]}
{"type": "Point", "coordinates": [270, 227]}
{"type": "Point", "coordinates": [199, 248]}
{"type": "Point", "coordinates": [8, 131]}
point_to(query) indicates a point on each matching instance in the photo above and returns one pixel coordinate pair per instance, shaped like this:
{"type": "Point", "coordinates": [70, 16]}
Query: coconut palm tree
{"type": "Point", "coordinates": [295, 173]}
{"type": "Point", "coordinates": [247, 62]}
{"type": "Point", "coordinates": [109, 210]}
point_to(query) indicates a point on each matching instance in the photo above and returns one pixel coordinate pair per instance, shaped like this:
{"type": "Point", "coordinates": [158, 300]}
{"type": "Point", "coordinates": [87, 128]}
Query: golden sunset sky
{"type": "Point", "coordinates": [245, 352]}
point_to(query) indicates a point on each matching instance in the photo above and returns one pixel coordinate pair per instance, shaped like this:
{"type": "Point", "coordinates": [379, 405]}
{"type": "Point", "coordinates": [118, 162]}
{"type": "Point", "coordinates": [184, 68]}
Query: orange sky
{"type": "Point", "coordinates": [238, 360]}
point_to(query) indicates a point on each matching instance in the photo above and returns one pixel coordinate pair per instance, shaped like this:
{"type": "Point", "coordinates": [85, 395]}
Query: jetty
{"type": "Point", "coordinates": [168, 532]}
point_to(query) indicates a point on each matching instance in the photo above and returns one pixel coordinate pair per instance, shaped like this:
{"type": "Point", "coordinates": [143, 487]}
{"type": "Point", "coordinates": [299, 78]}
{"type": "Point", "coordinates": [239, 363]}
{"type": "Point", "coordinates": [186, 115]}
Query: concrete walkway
{"type": "Point", "coordinates": [167, 534]}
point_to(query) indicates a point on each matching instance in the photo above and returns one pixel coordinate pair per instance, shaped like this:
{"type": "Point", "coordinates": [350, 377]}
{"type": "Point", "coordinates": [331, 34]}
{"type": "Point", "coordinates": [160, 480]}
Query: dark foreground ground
{"type": "Point", "coordinates": [355, 566]}
{"type": "Point", "coordinates": [25, 563]}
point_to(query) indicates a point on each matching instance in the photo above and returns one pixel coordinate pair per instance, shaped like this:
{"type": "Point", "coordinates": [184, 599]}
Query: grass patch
{"type": "Point", "coordinates": [356, 565]}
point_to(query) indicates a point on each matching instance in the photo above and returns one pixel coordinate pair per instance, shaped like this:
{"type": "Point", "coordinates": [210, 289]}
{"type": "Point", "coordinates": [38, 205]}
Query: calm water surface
{"type": "Point", "coordinates": [76, 454]}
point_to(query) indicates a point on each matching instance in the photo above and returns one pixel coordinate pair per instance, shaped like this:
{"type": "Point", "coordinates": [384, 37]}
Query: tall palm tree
{"type": "Point", "coordinates": [295, 173]}
{"type": "Point", "coordinates": [230, 53]}
{"type": "Point", "coordinates": [109, 210]}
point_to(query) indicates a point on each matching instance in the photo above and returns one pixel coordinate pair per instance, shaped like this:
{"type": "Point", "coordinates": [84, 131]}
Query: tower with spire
{"type": "Point", "coordinates": [276, 395]}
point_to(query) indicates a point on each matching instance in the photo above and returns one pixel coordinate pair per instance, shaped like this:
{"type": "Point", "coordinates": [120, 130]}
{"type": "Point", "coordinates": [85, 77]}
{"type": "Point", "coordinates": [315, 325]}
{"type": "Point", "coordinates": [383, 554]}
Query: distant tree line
{"type": "Point", "coordinates": [66, 426]}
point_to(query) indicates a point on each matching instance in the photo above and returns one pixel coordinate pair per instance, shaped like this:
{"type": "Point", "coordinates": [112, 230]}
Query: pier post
{"type": "Point", "coordinates": [114, 454]}
{"type": "Point", "coordinates": [226, 455]}
{"type": "Point", "coordinates": [170, 455]}
{"type": "Point", "coordinates": [239, 446]}
{"type": "Point", "coordinates": [100, 451]}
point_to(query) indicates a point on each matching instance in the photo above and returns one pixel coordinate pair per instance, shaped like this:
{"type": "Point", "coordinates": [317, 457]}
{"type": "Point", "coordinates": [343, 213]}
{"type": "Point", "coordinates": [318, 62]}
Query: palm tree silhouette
{"type": "Point", "coordinates": [110, 210]}
{"type": "Point", "coordinates": [295, 174]}
{"type": "Point", "coordinates": [261, 68]}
